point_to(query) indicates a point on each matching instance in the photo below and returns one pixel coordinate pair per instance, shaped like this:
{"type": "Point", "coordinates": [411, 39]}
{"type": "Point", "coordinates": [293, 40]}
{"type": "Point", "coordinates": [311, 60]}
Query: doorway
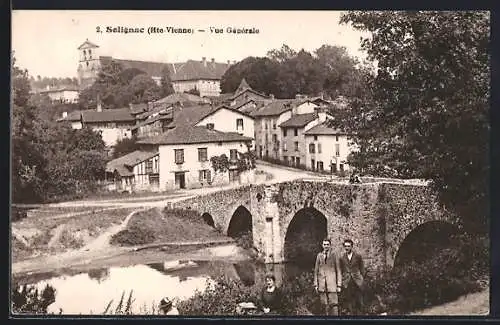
{"type": "Point", "coordinates": [180, 180]}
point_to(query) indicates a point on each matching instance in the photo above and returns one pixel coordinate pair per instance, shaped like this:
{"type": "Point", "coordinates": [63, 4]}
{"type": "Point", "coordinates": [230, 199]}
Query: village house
{"type": "Point", "coordinates": [203, 75]}
{"type": "Point", "coordinates": [62, 95]}
{"type": "Point", "coordinates": [112, 124]}
{"type": "Point", "coordinates": [327, 149]}
{"type": "Point", "coordinates": [185, 152]}
{"type": "Point", "coordinates": [226, 119]}
{"type": "Point", "coordinates": [133, 172]}
{"type": "Point", "coordinates": [241, 96]}
{"type": "Point", "coordinates": [268, 135]}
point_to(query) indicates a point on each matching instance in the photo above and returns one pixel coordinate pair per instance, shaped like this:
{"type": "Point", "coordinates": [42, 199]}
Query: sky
{"type": "Point", "coordinates": [46, 42]}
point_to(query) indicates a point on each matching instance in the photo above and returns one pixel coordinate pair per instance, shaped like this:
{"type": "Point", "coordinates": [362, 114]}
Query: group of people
{"type": "Point", "coordinates": [338, 280]}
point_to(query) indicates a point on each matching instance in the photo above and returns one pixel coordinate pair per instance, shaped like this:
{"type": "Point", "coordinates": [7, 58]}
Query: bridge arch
{"type": "Point", "coordinates": [240, 223]}
{"type": "Point", "coordinates": [303, 236]}
{"type": "Point", "coordinates": [209, 220]}
{"type": "Point", "coordinates": [425, 240]}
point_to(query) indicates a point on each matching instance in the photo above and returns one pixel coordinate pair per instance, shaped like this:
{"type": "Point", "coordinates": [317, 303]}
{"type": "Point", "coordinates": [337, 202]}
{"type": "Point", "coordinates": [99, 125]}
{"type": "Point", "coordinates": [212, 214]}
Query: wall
{"type": "Point", "coordinates": [225, 120]}
{"type": "Point", "coordinates": [305, 108]}
{"type": "Point", "coordinates": [141, 177]}
{"type": "Point", "coordinates": [191, 165]}
{"type": "Point", "coordinates": [327, 154]}
{"type": "Point", "coordinates": [111, 135]}
{"type": "Point", "coordinates": [261, 131]}
{"type": "Point", "coordinates": [376, 216]}
{"type": "Point", "coordinates": [205, 87]}
{"type": "Point", "coordinates": [290, 140]}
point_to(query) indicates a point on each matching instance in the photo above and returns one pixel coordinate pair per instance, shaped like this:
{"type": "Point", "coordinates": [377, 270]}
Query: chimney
{"type": "Point", "coordinates": [204, 61]}
{"type": "Point", "coordinates": [150, 106]}
{"type": "Point", "coordinates": [234, 61]}
{"type": "Point", "coordinates": [130, 106]}
{"type": "Point", "coordinates": [65, 114]}
{"type": "Point", "coordinates": [210, 126]}
{"type": "Point", "coordinates": [213, 60]}
{"type": "Point", "coordinates": [48, 87]}
{"type": "Point", "coordinates": [271, 95]}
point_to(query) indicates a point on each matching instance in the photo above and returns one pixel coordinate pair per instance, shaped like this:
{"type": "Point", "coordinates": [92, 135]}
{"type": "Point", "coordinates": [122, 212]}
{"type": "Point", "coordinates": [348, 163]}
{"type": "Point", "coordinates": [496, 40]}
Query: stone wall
{"type": "Point", "coordinates": [376, 216]}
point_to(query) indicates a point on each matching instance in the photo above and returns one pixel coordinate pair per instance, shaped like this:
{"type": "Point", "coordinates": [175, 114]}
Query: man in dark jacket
{"type": "Point", "coordinates": [327, 278]}
{"type": "Point", "coordinates": [353, 271]}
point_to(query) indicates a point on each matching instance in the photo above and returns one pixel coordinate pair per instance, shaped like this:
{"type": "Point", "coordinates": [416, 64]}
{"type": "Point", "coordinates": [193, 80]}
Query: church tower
{"type": "Point", "coordinates": [88, 63]}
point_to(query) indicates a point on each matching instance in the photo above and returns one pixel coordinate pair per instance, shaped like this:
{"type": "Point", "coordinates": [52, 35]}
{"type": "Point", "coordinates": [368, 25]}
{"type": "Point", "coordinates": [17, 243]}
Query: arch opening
{"type": "Point", "coordinates": [207, 217]}
{"type": "Point", "coordinates": [304, 236]}
{"type": "Point", "coordinates": [426, 241]}
{"type": "Point", "coordinates": [240, 224]}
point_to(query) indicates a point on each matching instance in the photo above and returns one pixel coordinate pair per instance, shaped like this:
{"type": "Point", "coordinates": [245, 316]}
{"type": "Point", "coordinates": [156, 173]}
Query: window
{"type": "Point", "coordinates": [239, 123]}
{"type": "Point", "coordinates": [90, 52]}
{"type": "Point", "coordinates": [295, 132]}
{"type": "Point", "coordinates": [320, 166]}
{"type": "Point", "coordinates": [275, 138]}
{"type": "Point", "coordinates": [285, 159]}
{"type": "Point", "coordinates": [205, 175]}
{"type": "Point", "coordinates": [334, 168]}
{"type": "Point", "coordinates": [274, 125]}
{"type": "Point", "coordinates": [87, 63]}
{"type": "Point", "coordinates": [297, 161]}
{"type": "Point", "coordinates": [266, 125]}
{"type": "Point", "coordinates": [219, 143]}
{"type": "Point", "coordinates": [315, 138]}
{"type": "Point", "coordinates": [284, 146]}
{"type": "Point", "coordinates": [311, 148]}
{"type": "Point", "coordinates": [267, 138]}
{"type": "Point", "coordinates": [337, 138]}
{"type": "Point", "coordinates": [149, 166]}
{"type": "Point", "coordinates": [319, 147]}
{"type": "Point", "coordinates": [337, 149]}
{"type": "Point", "coordinates": [296, 146]}
{"type": "Point", "coordinates": [210, 126]}
{"type": "Point", "coordinates": [233, 175]}
{"type": "Point", "coordinates": [179, 156]}
{"type": "Point", "coordinates": [312, 164]}
{"type": "Point", "coordinates": [202, 154]}
{"type": "Point", "coordinates": [233, 154]}
{"type": "Point", "coordinates": [341, 167]}
{"type": "Point", "coordinates": [284, 132]}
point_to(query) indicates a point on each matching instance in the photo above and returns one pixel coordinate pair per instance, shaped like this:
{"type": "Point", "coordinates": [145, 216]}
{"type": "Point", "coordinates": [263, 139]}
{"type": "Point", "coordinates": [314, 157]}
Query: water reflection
{"type": "Point", "coordinates": [90, 292]}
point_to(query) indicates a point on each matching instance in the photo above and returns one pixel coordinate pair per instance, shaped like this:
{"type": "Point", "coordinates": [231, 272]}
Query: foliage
{"type": "Point", "coordinates": [441, 278]}
{"type": "Point", "coordinates": [43, 83]}
{"type": "Point", "coordinates": [29, 300]}
{"type": "Point", "coordinates": [243, 162]}
{"type": "Point", "coordinates": [193, 91]}
{"type": "Point", "coordinates": [286, 73]}
{"type": "Point", "coordinates": [122, 307]}
{"type": "Point", "coordinates": [132, 236]}
{"type": "Point", "coordinates": [18, 214]}
{"type": "Point", "coordinates": [49, 159]}
{"type": "Point", "coordinates": [125, 146]}
{"type": "Point", "coordinates": [426, 112]}
{"type": "Point", "coordinates": [117, 87]}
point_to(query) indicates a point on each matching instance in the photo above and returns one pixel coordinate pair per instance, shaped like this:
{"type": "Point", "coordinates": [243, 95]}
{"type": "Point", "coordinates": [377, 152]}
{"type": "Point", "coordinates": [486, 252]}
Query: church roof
{"type": "Point", "coordinates": [87, 44]}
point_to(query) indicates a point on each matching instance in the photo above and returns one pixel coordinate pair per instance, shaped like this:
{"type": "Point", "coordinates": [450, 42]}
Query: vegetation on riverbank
{"type": "Point", "coordinates": [52, 234]}
{"type": "Point", "coordinates": [170, 225]}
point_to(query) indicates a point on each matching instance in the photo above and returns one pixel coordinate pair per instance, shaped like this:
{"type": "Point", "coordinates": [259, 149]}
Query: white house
{"type": "Point", "coordinates": [136, 171]}
{"type": "Point", "coordinates": [327, 149]}
{"type": "Point", "coordinates": [185, 152]}
{"type": "Point", "coordinates": [62, 95]}
{"type": "Point", "coordinates": [226, 119]}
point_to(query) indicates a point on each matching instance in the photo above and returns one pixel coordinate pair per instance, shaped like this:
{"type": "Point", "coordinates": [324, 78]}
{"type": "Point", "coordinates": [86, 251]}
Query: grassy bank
{"type": "Point", "coordinates": [36, 236]}
{"type": "Point", "coordinates": [170, 225]}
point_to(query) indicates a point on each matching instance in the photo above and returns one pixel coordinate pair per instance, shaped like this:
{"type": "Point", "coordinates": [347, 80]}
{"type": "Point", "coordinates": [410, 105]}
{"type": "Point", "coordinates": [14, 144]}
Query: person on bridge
{"type": "Point", "coordinates": [353, 271]}
{"type": "Point", "coordinates": [328, 278]}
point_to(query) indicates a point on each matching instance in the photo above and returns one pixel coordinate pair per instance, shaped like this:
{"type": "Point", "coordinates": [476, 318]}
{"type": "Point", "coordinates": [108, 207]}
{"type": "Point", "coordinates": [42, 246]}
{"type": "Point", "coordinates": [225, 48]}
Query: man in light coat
{"type": "Point", "coordinates": [353, 272]}
{"type": "Point", "coordinates": [328, 278]}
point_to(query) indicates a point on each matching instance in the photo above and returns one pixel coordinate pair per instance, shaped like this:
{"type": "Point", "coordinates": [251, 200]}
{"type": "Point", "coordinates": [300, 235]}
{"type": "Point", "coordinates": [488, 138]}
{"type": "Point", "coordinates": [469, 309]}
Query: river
{"type": "Point", "coordinates": [90, 292]}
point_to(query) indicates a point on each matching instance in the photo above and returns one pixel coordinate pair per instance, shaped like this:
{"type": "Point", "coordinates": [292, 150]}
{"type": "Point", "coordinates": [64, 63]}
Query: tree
{"type": "Point", "coordinates": [125, 146]}
{"type": "Point", "coordinates": [427, 114]}
{"type": "Point", "coordinates": [283, 54]}
{"type": "Point", "coordinates": [166, 83]}
{"type": "Point", "coordinates": [144, 89]}
{"type": "Point", "coordinates": [260, 73]}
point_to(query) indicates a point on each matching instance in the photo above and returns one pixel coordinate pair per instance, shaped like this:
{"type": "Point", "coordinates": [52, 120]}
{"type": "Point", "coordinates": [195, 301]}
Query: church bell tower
{"type": "Point", "coordinates": [88, 64]}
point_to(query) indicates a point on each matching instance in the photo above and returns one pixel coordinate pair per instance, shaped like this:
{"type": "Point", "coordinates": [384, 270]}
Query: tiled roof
{"type": "Point", "coordinates": [88, 43]}
{"type": "Point", "coordinates": [157, 109]}
{"type": "Point", "coordinates": [194, 134]}
{"type": "Point", "coordinates": [138, 108]}
{"type": "Point", "coordinates": [73, 116]}
{"type": "Point", "coordinates": [276, 107]}
{"type": "Point", "coordinates": [190, 70]}
{"type": "Point", "coordinates": [323, 129]}
{"type": "Point", "coordinates": [228, 108]}
{"type": "Point", "coordinates": [108, 115]}
{"type": "Point", "coordinates": [124, 164]}
{"type": "Point", "coordinates": [299, 120]}
{"type": "Point", "coordinates": [168, 116]}
{"type": "Point", "coordinates": [183, 98]}
{"type": "Point", "coordinates": [237, 94]}
{"type": "Point", "coordinates": [189, 115]}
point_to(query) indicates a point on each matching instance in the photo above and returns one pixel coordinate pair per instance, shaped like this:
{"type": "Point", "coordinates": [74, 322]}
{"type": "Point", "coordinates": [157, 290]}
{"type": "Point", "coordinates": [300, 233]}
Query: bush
{"type": "Point", "coordinates": [442, 278]}
{"type": "Point", "coordinates": [29, 300]}
{"type": "Point", "coordinates": [245, 240]}
{"type": "Point", "coordinates": [133, 236]}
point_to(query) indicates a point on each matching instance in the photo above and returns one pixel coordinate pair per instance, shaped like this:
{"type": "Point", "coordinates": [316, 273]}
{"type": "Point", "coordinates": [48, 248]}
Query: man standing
{"type": "Point", "coordinates": [327, 278]}
{"type": "Point", "coordinates": [353, 271]}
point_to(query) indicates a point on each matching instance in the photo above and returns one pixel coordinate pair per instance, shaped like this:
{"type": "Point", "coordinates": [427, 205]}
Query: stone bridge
{"type": "Point", "coordinates": [289, 220]}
